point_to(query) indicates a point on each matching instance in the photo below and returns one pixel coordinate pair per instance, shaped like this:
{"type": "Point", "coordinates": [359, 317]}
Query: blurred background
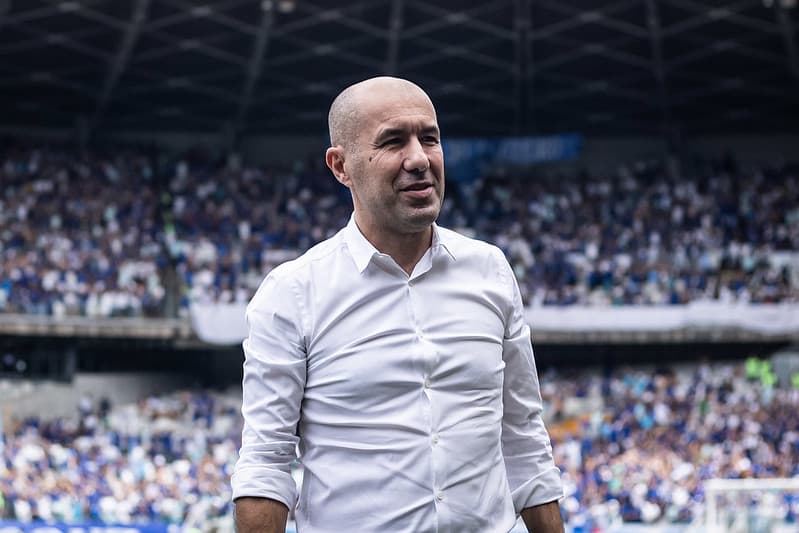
{"type": "Point", "coordinates": [636, 160]}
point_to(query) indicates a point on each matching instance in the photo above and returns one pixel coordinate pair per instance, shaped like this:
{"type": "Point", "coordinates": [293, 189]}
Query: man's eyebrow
{"type": "Point", "coordinates": [390, 132]}
{"type": "Point", "coordinates": [431, 129]}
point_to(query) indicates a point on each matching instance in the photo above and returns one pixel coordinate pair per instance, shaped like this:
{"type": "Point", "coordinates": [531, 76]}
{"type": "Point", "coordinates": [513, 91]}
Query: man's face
{"type": "Point", "coordinates": [395, 164]}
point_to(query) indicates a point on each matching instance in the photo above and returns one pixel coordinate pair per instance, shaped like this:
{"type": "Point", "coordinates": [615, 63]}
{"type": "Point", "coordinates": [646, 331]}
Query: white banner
{"type": "Point", "coordinates": [768, 319]}
{"type": "Point", "coordinates": [219, 323]}
{"type": "Point", "coordinates": [224, 323]}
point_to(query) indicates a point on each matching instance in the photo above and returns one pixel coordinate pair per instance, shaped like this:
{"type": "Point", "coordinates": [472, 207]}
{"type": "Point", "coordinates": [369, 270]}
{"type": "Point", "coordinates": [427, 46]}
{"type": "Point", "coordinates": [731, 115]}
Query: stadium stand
{"type": "Point", "coordinates": [165, 459]}
{"type": "Point", "coordinates": [120, 235]}
{"type": "Point", "coordinates": [635, 446]}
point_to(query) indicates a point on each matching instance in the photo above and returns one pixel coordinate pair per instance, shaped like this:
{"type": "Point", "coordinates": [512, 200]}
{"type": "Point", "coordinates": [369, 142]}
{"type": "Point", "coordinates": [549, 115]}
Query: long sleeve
{"type": "Point", "coordinates": [273, 384]}
{"type": "Point", "coordinates": [534, 479]}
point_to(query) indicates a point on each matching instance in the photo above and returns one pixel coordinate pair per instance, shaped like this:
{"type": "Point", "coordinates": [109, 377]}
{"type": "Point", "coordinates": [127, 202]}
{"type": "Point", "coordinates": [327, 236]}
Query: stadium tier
{"type": "Point", "coordinates": [635, 447]}
{"type": "Point", "coordinates": [126, 235]}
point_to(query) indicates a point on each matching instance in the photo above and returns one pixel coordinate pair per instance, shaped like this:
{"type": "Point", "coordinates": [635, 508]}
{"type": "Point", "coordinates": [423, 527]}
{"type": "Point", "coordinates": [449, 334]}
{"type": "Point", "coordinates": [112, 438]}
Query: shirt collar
{"type": "Point", "coordinates": [362, 250]}
{"type": "Point", "coordinates": [442, 239]}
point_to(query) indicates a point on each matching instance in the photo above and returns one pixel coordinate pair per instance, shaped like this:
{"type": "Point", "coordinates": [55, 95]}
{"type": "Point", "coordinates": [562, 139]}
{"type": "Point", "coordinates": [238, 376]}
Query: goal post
{"type": "Point", "coordinates": [749, 505]}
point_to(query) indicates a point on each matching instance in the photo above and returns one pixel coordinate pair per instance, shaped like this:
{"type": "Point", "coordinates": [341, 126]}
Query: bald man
{"type": "Point", "coordinates": [394, 357]}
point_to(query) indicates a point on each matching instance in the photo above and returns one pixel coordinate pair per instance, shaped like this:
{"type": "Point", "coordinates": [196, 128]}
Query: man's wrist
{"type": "Point", "coordinates": [260, 515]}
{"type": "Point", "coordinates": [544, 518]}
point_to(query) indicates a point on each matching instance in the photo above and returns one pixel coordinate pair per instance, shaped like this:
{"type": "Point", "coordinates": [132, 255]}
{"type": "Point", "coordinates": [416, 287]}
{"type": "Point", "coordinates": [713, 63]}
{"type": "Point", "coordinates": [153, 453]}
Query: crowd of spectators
{"type": "Point", "coordinates": [79, 236]}
{"type": "Point", "coordinates": [640, 237]}
{"type": "Point", "coordinates": [645, 455]}
{"type": "Point", "coordinates": [132, 234]}
{"type": "Point", "coordinates": [163, 460]}
{"type": "Point", "coordinates": [642, 455]}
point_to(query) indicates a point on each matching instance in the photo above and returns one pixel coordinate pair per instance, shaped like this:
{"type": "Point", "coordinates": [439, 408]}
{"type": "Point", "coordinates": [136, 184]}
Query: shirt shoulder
{"type": "Point", "coordinates": [292, 277]}
{"type": "Point", "coordinates": [484, 260]}
{"type": "Point", "coordinates": [298, 268]}
{"type": "Point", "coordinates": [468, 248]}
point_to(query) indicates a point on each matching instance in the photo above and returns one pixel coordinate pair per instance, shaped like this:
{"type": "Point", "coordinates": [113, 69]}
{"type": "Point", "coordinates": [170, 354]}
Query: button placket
{"type": "Point", "coordinates": [429, 355]}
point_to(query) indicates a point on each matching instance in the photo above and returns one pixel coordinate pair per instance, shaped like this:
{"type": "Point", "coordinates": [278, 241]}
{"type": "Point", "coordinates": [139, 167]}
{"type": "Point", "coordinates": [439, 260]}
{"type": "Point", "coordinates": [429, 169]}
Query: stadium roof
{"type": "Point", "coordinates": [492, 67]}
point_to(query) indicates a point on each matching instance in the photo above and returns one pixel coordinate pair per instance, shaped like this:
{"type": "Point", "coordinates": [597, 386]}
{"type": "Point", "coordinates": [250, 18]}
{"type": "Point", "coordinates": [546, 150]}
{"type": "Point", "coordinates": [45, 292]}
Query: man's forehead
{"type": "Point", "coordinates": [406, 121]}
{"type": "Point", "coordinates": [399, 112]}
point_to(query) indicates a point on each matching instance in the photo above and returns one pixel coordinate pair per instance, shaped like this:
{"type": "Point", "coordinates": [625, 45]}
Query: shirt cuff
{"type": "Point", "coordinates": [264, 483]}
{"type": "Point", "coordinates": [544, 488]}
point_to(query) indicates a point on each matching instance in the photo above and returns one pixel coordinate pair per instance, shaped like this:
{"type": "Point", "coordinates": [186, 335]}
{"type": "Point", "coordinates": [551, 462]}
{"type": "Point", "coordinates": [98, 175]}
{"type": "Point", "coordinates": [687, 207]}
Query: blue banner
{"type": "Point", "coordinates": [467, 158]}
{"type": "Point", "coordinates": [10, 526]}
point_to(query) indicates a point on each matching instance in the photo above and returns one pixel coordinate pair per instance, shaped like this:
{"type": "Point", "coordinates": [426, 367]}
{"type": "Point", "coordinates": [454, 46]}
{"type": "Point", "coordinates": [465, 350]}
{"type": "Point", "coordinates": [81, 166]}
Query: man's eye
{"type": "Point", "coordinates": [431, 140]}
{"type": "Point", "coordinates": [389, 142]}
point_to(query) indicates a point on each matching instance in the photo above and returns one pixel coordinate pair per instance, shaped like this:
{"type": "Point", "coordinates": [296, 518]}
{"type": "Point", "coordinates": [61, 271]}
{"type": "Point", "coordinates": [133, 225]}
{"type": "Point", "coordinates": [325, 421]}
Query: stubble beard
{"type": "Point", "coordinates": [416, 219]}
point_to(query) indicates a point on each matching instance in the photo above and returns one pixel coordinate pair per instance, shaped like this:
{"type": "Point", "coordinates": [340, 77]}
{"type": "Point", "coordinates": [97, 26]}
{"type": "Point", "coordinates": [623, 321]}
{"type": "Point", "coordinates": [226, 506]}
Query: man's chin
{"type": "Point", "coordinates": [421, 219]}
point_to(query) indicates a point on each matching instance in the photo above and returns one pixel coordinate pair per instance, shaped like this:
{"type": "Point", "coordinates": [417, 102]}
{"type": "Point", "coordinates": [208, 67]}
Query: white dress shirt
{"type": "Point", "coordinates": [414, 399]}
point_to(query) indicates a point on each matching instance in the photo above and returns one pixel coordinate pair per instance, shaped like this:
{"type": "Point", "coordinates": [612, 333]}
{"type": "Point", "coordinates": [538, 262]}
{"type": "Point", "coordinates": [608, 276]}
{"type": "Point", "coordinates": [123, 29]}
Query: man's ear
{"type": "Point", "coordinates": [334, 157]}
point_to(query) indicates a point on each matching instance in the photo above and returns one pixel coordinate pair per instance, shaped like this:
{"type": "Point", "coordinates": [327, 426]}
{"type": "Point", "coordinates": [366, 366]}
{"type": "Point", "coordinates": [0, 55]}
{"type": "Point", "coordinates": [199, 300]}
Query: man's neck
{"type": "Point", "coordinates": [406, 249]}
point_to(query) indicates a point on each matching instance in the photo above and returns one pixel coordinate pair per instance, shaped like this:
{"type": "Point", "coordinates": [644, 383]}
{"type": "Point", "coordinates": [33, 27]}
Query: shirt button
{"type": "Point", "coordinates": [427, 384]}
{"type": "Point", "coordinates": [436, 438]}
{"type": "Point", "coordinates": [440, 496]}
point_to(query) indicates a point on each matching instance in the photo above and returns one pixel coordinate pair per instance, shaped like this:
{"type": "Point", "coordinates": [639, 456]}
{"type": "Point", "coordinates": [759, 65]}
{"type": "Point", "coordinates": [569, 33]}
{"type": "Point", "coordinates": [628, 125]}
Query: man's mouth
{"type": "Point", "coordinates": [418, 191]}
{"type": "Point", "coordinates": [417, 187]}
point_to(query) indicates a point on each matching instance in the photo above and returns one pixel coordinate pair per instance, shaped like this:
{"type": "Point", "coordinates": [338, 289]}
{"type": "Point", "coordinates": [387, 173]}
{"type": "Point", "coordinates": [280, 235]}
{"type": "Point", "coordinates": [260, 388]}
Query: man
{"type": "Point", "coordinates": [395, 354]}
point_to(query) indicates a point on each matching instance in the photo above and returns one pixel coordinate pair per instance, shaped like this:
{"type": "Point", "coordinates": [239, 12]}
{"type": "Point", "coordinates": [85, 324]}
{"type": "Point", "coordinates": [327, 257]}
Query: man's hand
{"type": "Point", "coordinates": [260, 515]}
{"type": "Point", "coordinates": [543, 518]}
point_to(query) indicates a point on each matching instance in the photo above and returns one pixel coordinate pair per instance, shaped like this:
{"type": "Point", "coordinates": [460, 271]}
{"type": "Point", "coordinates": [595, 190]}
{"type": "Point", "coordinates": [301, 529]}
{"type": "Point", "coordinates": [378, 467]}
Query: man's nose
{"type": "Point", "coordinates": [415, 157]}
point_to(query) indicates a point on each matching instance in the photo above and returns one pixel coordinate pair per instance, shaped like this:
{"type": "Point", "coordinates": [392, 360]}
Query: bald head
{"type": "Point", "coordinates": [346, 112]}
